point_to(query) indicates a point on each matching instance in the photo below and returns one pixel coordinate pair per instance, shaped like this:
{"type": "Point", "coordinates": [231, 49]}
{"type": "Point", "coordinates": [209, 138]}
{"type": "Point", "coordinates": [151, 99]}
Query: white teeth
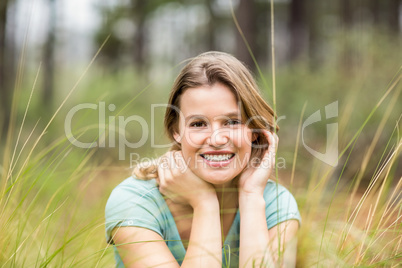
{"type": "Point", "coordinates": [217, 157]}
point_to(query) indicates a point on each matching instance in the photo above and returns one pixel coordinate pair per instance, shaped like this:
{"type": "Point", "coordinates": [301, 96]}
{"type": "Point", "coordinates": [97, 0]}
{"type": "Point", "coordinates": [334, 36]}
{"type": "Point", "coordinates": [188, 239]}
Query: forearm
{"type": "Point", "coordinates": [205, 245]}
{"type": "Point", "coordinates": [254, 237]}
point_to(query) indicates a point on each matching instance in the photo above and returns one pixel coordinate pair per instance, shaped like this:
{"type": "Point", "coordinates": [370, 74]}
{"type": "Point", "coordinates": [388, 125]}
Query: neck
{"type": "Point", "coordinates": [227, 196]}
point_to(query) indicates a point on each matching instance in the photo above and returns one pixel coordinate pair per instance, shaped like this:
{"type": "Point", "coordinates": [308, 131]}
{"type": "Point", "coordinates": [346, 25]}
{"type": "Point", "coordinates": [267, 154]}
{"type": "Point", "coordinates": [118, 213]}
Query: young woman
{"type": "Point", "coordinates": [208, 202]}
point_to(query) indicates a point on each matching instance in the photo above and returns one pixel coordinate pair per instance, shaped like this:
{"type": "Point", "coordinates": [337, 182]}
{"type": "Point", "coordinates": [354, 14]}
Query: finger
{"type": "Point", "coordinates": [272, 138]}
{"type": "Point", "coordinates": [269, 156]}
{"type": "Point", "coordinates": [180, 163]}
{"type": "Point", "coordinates": [276, 138]}
{"type": "Point", "coordinates": [162, 183]}
{"type": "Point", "coordinates": [161, 175]}
{"type": "Point", "coordinates": [166, 160]}
{"type": "Point", "coordinates": [272, 143]}
{"type": "Point", "coordinates": [174, 166]}
{"type": "Point", "coordinates": [164, 172]}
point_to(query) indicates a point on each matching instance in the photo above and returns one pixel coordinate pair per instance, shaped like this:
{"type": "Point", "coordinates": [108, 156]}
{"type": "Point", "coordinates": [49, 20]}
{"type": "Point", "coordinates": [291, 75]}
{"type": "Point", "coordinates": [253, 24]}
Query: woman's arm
{"type": "Point", "coordinates": [140, 247]}
{"type": "Point", "coordinates": [254, 238]}
{"type": "Point", "coordinates": [284, 235]}
{"type": "Point", "coordinates": [205, 245]}
{"type": "Point", "coordinates": [260, 247]}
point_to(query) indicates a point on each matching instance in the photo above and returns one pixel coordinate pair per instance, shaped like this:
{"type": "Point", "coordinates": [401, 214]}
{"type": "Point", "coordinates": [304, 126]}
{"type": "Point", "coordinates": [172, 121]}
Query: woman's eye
{"type": "Point", "coordinates": [233, 122]}
{"type": "Point", "coordinates": [198, 124]}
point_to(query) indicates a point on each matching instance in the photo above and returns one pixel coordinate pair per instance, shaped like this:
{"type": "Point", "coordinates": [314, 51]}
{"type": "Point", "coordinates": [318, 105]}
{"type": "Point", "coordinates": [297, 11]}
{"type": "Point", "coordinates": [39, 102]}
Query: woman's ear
{"type": "Point", "coordinates": [254, 137]}
{"type": "Point", "coordinates": [177, 137]}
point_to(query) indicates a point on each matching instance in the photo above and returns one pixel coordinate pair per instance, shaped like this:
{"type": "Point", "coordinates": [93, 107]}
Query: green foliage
{"type": "Point", "coordinates": [53, 194]}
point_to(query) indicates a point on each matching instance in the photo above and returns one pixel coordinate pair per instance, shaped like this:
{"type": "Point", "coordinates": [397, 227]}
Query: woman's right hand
{"type": "Point", "coordinates": [179, 183]}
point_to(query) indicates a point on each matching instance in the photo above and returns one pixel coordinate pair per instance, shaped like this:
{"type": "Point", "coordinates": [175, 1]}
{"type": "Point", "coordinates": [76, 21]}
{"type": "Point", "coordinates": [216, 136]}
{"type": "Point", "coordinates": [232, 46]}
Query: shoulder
{"type": "Point", "coordinates": [133, 189]}
{"type": "Point", "coordinates": [274, 191]}
{"type": "Point", "coordinates": [135, 203]}
{"type": "Point", "coordinates": [132, 193]}
{"type": "Point", "coordinates": [133, 184]}
{"type": "Point", "coordinates": [280, 204]}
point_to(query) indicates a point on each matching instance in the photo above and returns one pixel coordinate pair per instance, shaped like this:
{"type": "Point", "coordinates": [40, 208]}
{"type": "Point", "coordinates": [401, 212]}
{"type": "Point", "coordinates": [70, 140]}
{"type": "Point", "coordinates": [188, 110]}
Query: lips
{"type": "Point", "coordinates": [217, 158]}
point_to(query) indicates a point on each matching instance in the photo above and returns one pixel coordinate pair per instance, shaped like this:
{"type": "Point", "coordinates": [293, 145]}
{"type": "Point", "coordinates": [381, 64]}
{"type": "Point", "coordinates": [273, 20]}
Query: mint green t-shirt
{"type": "Point", "coordinates": [139, 203]}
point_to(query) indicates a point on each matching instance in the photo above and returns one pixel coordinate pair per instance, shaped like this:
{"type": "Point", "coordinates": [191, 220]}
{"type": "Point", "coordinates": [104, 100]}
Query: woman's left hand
{"type": "Point", "coordinates": [254, 178]}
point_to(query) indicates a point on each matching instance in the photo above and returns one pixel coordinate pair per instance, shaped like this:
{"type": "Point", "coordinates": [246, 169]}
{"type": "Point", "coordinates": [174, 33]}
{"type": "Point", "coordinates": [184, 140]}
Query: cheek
{"type": "Point", "coordinates": [243, 139]}
{"type": "Point", "coordinates": [194, 140]}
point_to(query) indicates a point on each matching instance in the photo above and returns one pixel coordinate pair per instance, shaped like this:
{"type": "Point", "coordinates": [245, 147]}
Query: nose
{"type": "Point", "coordinates": [218, 138]}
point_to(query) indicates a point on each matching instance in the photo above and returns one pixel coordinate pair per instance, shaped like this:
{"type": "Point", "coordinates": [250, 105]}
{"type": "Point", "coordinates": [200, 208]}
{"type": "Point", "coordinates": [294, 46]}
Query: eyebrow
{"type": "Point", "coordinates": [228, 115]}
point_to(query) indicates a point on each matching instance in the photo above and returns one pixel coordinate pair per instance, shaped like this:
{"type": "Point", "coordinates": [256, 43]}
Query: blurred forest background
{"type": "Point", "coordinates": [124, 55]}
{"type": "Point", "coordinates": [324, 51]}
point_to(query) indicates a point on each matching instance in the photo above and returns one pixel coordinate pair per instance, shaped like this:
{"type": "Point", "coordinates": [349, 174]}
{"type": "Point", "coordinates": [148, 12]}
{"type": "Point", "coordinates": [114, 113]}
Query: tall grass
{"type": "Point", "coordinates": [53, 197]}
{"type": "Point", "coordinates": [53, 194]}
{"type": "Point", "coordinates": [45, 183]}
{"type": "Point", "coordinates": [348, 223]}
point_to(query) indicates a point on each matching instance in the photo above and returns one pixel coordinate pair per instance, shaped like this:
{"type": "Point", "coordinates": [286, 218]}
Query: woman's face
{"type": "Point", "coordinates": [215, 142]}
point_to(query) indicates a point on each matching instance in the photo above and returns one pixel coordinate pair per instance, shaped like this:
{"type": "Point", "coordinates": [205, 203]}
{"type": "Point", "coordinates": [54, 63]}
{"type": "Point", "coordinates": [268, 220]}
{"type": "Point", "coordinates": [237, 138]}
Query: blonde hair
{"type": "Point", "coordinates": [208, 69]}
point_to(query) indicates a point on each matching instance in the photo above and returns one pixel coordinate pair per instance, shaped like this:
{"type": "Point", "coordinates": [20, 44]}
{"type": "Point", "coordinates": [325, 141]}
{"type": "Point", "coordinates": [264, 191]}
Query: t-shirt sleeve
{"type": "Point", "coordinates": [133, 203]}
{"type": "Point", "coordinates": [280, 205]}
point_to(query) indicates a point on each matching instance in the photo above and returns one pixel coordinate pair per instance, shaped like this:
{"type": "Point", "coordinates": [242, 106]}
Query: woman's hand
{"type": "Point", "coordinates": [254, 178]}
{"type": "Point", "coordinates": [179, 183]}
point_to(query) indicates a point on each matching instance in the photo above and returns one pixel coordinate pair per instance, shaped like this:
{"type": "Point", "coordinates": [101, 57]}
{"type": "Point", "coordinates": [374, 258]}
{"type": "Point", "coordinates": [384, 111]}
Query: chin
{"type": "Point", "coordinates": [218, 178]}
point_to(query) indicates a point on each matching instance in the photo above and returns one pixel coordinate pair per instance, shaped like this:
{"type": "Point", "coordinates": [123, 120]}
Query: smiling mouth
{"type": "Point", "coordinates": [217, 157]}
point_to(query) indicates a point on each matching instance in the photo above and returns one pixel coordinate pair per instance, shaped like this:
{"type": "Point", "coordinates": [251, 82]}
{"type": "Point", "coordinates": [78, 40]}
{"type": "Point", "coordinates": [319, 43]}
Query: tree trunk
{"type": "Point", "coordinates": [246, 16]}
{"type": "Point", "coordinates": [347, 56]}
{"type": "Point", "coordinates": [375, 11]}
{"type": "Point", "coordinates": [347, 13]}
{"type": "Point", "coordinates": [393, 15]}
{"type": "Point", "coordinates": [4, 79]}
{"type": "Point", "coordinates": [211, 43]}
{"type": "Point", "coordinates": [139, 13]}
{"type": "Point", "coordinates": [313, 34]}
{"type": "Point", "coordinates": [297, 29]}
{"type": "Point", "coordinates": [49, 59]}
